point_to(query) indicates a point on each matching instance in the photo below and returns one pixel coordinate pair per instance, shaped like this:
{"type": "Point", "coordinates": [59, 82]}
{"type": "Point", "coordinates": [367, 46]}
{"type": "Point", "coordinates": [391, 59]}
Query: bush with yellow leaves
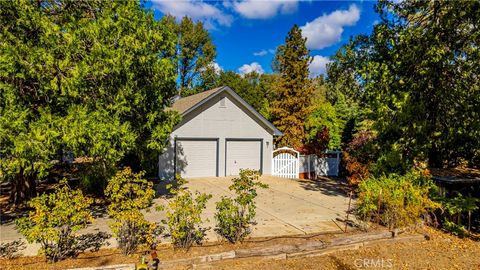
{"type": "Point", "coordinates": [396, 200]}
{"type": "Point", "coordinates": [128, 194]}
{"type": "Point", "coordinates": [55, 218]}
{"type": "Point", "coordinates": [183, 216]}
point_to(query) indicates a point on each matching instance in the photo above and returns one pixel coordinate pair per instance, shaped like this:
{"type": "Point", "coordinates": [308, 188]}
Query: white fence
{"type": "Point", "coordinates": [288, 163]}
{"type": "Point", "coordinates": [311, 165]}
{"type": "Point", "coordinates": [285, 163]}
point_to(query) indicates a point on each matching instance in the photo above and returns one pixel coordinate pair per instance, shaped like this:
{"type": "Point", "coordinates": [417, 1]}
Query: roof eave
{"type": "Point", "coordinates": [202, 101]}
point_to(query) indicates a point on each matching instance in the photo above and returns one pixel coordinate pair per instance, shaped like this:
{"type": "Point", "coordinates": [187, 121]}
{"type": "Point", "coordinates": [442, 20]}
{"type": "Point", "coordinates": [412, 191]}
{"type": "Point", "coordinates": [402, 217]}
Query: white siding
{"type": "Point", "coordinates": [211, 120]}
{"type": "Point", "coordinates": [242, 155]}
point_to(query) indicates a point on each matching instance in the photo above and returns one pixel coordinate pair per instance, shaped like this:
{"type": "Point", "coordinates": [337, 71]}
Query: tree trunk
{"type": "Point", "coordinates": [24, 188]}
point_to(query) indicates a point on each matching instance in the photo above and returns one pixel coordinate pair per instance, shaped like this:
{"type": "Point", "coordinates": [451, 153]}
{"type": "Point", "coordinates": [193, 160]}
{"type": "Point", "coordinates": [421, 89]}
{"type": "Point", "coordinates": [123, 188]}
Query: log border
{"type": "Point", "coordinates": [311, 248]}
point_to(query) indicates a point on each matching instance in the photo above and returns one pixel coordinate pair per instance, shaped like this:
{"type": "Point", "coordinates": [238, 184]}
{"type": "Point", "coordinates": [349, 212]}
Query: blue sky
{"type": "Point", "coordinates": [246, 32]}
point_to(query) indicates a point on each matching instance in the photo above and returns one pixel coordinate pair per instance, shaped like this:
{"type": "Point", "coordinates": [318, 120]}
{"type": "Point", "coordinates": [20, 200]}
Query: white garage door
{"type": "Point", "coordinates": [243, 155]}
{"type": "Point", "coordinates": [196, 158]}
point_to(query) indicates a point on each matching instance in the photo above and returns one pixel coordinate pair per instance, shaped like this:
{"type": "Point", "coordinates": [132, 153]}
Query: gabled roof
{"type": "Point", "coordinates": [188, 104]}
{"type": "Point", "coordinates": [181, 105]}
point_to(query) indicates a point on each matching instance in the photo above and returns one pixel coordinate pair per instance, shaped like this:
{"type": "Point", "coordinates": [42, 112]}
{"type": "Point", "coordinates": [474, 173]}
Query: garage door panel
{"type": "Point", "coordinates": [196, 158]}
{"type": "Point", "coordinates": [243, 155]}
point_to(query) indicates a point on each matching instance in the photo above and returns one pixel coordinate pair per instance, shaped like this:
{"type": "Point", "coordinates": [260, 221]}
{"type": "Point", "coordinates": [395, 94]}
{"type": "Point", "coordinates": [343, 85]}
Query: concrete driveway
{"type": "Point", "coordinates": [287, 207]}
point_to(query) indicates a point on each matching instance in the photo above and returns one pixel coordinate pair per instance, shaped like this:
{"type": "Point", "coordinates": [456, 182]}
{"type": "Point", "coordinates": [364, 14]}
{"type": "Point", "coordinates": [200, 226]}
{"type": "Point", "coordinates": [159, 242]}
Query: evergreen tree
{"type": "Point", "coordinates": [87, 77]}
{"type": "Point", "coordinates": [294, 90]}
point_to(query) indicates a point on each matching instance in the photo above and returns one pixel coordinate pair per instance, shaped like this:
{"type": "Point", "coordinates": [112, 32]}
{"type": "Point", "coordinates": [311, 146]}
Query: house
{"type": "Point", "coordinates": [219, 134]}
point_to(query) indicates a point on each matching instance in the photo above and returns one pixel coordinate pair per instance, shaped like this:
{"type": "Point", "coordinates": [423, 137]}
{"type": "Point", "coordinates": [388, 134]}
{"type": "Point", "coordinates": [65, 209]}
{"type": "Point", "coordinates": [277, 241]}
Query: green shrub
{"type": "Point", "coordinates": [184, 216]}
{"type": "Point", "coordinates": [454, 228]}
{"type": "Point", "coordinates": [55, 218]}
{"type": "Point", "coordinates": [396, 200]}
{"type": "Point", "coordinates": [128, 194]}
{"type": "Point", "coordinates": [235, 216]}
{"type": "Point", "coordinates": [455, 207]}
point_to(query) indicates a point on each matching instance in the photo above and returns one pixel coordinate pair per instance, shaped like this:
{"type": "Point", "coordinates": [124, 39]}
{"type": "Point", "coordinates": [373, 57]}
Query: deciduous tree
{"type": "Point", "coordinates": [196, 53]}
{"type": "Point", "coordinates": [418, 75]}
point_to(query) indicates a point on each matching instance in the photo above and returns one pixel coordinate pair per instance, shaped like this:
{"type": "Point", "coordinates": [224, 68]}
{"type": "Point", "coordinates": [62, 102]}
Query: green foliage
{"type": "Point", "coordinates": [324, 116]}
{"type": "Point", "coordinates": [55, 219]}
{"type": "Point", "coordinates": [417, 76]}
{"type": "Point", "coordinates": [235, 216]}
{"type": "Point", "coordinates": [184, 216]}
{"type": "Point", "coordinates": [396, 200]}
{"type": "Point", "coordinates": [256, 89]}
{"type": "Point", "coordinates": [293, 91]}
{"type": "Point", "coordinates": [454, 228]}
{"type": "Point", "coordinates": [456, 207]}
{"type": "Point", "coordinates": [128, 194]}
{"type": "Point", "coordinates": [195, 54]}
{"type": "Point", "coordinates": [87, 77]}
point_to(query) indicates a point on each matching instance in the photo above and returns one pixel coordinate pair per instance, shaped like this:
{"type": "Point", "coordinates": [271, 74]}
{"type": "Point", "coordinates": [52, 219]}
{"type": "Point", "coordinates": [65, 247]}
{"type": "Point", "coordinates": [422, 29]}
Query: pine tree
{"type": "Point", "coordinates": [294, 91]}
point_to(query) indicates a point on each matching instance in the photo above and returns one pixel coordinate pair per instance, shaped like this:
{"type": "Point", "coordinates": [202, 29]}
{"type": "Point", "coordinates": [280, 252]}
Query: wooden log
{"type": "Point", "coordinates": [267, 251]}
{"type": "Point", "coordinates": [306, 249]}
{"type": "Point", "coordinates": [311, 245]}
{"type": "Point", "coordinates": [324, 251]}
{"type": "Point", "coordinates": [110, 267]}
{"type": "Point", "coordinates": [217, 256]}
{"type": "Point", "coordinates": [360, 238]}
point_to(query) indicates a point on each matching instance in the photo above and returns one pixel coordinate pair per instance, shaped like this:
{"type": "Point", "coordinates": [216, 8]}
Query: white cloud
{"type": "Point", "coordinates": [262, 9]}
{"type": "Point", "coordinates": [264, 52]}
{"type": "Point", "coordinates": [261, 53]}
{"type": "Point", "coordinates": [327, 29]}
{"type": "Point", "coordinates": [218, 69]}
{"type": "Point", "coordinates": [319, 65]}
{"type": "Point", "coordinates": [205, 12]}
{"type": "Point", "coordinates": [247, 68]}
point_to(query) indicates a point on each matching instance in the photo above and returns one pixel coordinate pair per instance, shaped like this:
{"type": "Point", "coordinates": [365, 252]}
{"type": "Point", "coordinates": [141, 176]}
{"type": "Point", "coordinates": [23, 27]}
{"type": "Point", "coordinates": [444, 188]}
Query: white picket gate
{"type": "Point", "coordinates": [285, 163]}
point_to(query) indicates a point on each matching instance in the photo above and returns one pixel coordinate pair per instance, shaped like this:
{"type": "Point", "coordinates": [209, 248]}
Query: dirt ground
{"type": "Point", "coordinates": [442, 251]}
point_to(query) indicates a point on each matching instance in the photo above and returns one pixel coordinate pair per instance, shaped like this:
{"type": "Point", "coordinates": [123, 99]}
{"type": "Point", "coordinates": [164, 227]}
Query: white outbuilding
{"type": "Point", "coordinates": [219, 134]}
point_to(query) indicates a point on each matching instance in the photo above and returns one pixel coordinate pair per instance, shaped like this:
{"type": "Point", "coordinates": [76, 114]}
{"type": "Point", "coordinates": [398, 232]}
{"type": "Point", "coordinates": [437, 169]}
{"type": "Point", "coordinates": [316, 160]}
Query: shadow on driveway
{"type": "Point", "coordinates": [326, 185]}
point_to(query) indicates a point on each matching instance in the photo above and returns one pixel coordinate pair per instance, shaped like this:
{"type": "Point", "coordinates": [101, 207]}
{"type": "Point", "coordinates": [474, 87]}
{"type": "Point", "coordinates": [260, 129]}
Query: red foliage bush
{"type": "Point", "coordinates": [318, 145]}
{"type": "Point", "coordinates": [358, 157]}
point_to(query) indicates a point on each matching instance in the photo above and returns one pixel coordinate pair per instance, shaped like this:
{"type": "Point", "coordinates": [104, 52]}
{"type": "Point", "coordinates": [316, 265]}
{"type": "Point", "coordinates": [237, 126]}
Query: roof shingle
{"type": "Point", "coordinates": [184, 104]}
